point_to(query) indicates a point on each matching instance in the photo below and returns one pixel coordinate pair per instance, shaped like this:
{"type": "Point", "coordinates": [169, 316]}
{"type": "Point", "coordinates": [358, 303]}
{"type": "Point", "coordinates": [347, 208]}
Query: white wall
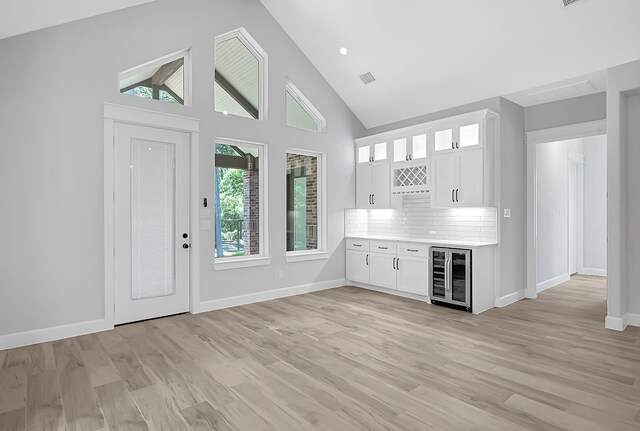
{"type": "Point", "coordinates": [552, 208]}
{"type": "Point", "coordinates": [595, 205]}
{"type": "Point", "coordinates": [564, 112]}
{"type": "Point", "coordinates": [51, 151]}
{"type": "Point", "coordinates": [623, 205]}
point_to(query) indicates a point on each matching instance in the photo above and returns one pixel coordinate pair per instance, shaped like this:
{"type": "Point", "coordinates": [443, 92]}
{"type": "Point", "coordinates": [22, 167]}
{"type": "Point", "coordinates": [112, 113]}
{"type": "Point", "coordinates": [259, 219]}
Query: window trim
{"type": "Point", "coordinates": [308, 107]}
{"type": "Point", "coordinates": [263, 258]}
{"type": "Point", "coordinates": [263, 61]}
{"type": "Point", "coordinates": [322, 251]}
{"type": "Point", "coordinates": [186, 79]}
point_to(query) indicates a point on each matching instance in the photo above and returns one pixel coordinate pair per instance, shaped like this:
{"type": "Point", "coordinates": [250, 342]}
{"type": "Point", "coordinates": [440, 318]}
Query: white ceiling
{"type": "Point", "coordinates": [22, 16]}
{"type": "Point", "coordinates": [430, 55]}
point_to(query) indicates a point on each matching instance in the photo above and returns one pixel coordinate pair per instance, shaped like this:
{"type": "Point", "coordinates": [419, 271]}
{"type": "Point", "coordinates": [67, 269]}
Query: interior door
{"type": "Point", "coordinates": [151, 204]}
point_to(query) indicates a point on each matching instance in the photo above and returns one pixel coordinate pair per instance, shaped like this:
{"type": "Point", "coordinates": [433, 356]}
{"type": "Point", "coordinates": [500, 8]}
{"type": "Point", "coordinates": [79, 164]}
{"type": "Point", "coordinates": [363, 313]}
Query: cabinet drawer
{"type": "Point", "coordinates": [357, 244]}
{"type": "Point", "coordinates": [385, 247]}
{"type": "Point", "coordinates": [413, 249]}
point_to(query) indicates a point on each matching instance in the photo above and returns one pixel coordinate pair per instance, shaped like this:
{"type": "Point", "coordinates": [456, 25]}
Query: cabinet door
{"type": "Point", "coordinates": [364, 187]}
{"type": "Point", "coordinates": [357, 266]}
{"type": "Point", "coordinates": [470, 190]}
{"type": "Point", "coordinates": [468, 135]}
{"type": "Point", "coordinates": [439, 273]}
{"type": "Point", "coordinates": [413, 275]}
{"type": "Point", "coordinates": [419, 149]}
{"type": "Point", "coordinates": [381, 270]}
{"type": "Point", "coordinates": [443, 139]}
{"type": "Point", "coordinates": [381, 189]}
{"type": "Point", "coordinates": [400, 150]}
{"type": "Point", "coordinates": [460, 278]}
{"type": "Point", "coordinates": [363, 154]}
{"type": "Point", "coordinates": [443, 180]}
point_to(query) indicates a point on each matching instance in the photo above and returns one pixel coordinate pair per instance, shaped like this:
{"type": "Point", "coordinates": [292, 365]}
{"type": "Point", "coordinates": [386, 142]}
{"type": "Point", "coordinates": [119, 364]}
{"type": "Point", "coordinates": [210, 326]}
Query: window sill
{"type": "Point", "coordinates": [244, 262]}
{"type": "Point", "coordinates": [306, 255]}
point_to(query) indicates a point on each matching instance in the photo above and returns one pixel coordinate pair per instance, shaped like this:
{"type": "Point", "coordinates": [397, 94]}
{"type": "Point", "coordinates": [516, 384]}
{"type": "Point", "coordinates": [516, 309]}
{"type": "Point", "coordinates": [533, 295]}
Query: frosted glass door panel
{"type": "Point", "coordinates": [364, 154]}
{"type": "Point", "coordinates": [444, 140]}
{"type": "Point", "coordinates": [469, 135]}
{"type": "Point", "coordinates": [400, 150]}
{"type": "Point", "coordinates": [419, 147]}
{"type": "Point", "coordinates": [152, 219]}
{"type": "Point", "coordinates": [380, 151]}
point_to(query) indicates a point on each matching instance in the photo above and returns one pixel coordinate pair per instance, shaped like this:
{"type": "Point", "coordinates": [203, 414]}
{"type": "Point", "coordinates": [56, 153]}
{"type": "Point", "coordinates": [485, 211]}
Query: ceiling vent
{"type": "Point", "coordinates": [568, 91]}
{"type": "Point", "coordinates": [367, 78]}
{"type": "Point", "coordinates": [569, 2]}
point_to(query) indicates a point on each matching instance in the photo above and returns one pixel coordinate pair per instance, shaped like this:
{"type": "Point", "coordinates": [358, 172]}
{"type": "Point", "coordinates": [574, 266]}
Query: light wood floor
{"type": "Point", "coordinates": [338, 360]}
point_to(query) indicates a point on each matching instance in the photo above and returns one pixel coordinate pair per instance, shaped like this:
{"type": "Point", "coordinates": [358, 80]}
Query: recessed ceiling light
{"type": "Point", "coordinates": [343, 51]}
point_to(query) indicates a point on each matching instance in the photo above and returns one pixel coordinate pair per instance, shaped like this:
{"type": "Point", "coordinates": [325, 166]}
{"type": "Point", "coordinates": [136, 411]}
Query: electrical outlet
{"type": "Point", "coordinates": [507, 213]}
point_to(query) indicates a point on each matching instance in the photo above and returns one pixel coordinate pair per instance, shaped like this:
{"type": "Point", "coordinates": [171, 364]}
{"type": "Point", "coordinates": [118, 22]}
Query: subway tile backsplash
{"type": "Point", "coordinates": [418, 220]}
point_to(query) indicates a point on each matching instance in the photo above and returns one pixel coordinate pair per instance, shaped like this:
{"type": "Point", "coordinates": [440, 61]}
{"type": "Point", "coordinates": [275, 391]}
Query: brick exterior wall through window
{"type": "Point", "coordinates": [298, 164]}
{"type": "Point", "coordinates": [251, 207]}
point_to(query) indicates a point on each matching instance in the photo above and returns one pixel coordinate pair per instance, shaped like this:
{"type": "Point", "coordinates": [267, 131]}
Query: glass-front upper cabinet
{"type": "Point", "coordinates": [368, 153]}
{"type": "Point", "coordinates": [407, 149]}
{"type": "Point", "coordinates": [455, 136]}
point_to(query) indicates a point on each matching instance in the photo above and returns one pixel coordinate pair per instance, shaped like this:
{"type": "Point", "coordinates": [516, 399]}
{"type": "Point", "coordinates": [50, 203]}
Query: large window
{"type": "Point", "coordinates": [165, 79]}
{"type": "Point", "coordinates": [239, 75]}
{"type": "Point", "coordinates": [239, 200]}
{"type": "Point", "coordinates": [305, 216]}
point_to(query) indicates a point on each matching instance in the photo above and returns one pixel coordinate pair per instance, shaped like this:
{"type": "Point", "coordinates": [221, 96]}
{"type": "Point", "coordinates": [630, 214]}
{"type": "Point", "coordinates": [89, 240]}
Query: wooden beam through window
{"type": "Point", "coordinates": [165, 72]}
{"type": "Point", "coordinates": [235, 95]}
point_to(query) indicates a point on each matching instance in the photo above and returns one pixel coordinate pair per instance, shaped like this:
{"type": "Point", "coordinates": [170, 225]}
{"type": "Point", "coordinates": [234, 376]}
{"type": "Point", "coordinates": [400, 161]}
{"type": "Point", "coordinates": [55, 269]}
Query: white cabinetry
{"type": "Point", "coordinates": [412, 267]}
{"type": "Point", "coordinates": [461, 161]}
{"type": "Point", "coordinates": [358, 260]}
{"type": "Point", "coordinates": [458, 179]}
{"type": "Point", "coordinates": [382, 270]}
{"type": "Point", "coordinates": [373, 185]}
{"type": "Point", "coordinates": [393, 265]}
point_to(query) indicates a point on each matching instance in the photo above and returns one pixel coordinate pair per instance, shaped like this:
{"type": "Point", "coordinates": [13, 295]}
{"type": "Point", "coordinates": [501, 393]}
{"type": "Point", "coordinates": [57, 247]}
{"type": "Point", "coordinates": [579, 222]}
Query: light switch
{"type": "Point", "coordinates": [205, 224]}
{"type": "Point", "coordinates": [507, 213]}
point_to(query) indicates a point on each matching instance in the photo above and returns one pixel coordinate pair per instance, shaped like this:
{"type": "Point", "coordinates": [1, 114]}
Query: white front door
{"type": "Point", "coordinates": [151, 217]}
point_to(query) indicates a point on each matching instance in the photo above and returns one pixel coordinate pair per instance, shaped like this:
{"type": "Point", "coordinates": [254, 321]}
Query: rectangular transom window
{"type": "Point", "coordinates": [305, 202]}
{"type": "Point", "coordinates": [165, 79]}
{"type": "Point", "coordinates": [239, 200]}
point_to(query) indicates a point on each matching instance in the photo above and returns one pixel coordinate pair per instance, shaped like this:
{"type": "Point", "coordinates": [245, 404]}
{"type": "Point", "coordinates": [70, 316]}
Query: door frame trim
{"type": "Point", "coordinates": [113, 114]}
{"type": "Point", "coordinates": [533, 138]}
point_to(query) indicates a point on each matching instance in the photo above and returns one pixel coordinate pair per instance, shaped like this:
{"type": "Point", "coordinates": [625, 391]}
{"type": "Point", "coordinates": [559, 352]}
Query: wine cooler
{"type": "Point", "coordinates": [450, 281]}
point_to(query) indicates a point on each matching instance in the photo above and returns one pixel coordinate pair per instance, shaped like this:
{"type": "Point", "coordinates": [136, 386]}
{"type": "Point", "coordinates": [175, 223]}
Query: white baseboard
{"type": "Point", "coordinates": [615, 323]}
{"type": "Point", "coordinates": [548, 284]}
{"type": "Point", "coordinates": [509, 299]}
{"type": "Point", "coordinates": [19, 339]}
{"type": "Point", "coordinates": [620, 323]}
{"type": "Point", "coordinates": [594, 271]}
{"type": "Point", "coordinates": [251, 298]}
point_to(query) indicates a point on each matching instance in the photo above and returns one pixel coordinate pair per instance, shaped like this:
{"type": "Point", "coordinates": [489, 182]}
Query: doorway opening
{"type": "Point", "coordinates": [567, 206]}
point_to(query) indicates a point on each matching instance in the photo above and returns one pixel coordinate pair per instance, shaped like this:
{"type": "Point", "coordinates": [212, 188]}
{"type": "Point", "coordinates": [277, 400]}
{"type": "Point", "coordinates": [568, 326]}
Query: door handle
{"type": "Point", "coordinates": [398, 264]}
{"type": "Point", "coordinates": [367, 260]}
{"type": "Point", "coordinates": [394, 263]}
{"type": "Point", "coordinates": [185, 246]}
{"type": "Point", "coordinates": [452, 192]}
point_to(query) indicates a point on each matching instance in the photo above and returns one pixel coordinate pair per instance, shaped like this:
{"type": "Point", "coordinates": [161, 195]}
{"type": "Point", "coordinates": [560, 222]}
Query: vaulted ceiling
{"type": "Point", "coordinates": [429, 55]}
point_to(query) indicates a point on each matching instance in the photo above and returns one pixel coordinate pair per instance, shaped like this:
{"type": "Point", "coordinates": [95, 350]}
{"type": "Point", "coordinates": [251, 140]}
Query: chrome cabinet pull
{"type": "Point", "coordinates": [398, 264]}
{"type": "Point", "coordinates": [383, 248]}
{"type": "Point", "coordinates": [367, 260]}
{"type": "Point", "coordinates": [394, 263]}
{"type": "Point", "coordinates": [457, 190]}
{"type": "Point", "coordinates": [452, 192]}
{"type": "Point", "coordinates": [412, 250]}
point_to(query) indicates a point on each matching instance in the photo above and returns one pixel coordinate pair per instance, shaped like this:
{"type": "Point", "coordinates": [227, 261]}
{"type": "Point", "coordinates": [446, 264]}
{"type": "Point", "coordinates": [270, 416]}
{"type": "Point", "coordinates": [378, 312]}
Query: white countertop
{"type": "Point", "coordinates": [435, 242]}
